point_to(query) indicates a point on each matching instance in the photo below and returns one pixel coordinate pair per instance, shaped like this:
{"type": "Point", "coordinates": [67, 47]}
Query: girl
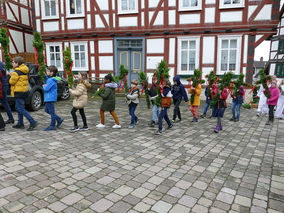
{"type": "Point", "coordinates": [237, 103]}
{"type": "Point", "coordinates": [272, 101]}
{"type": "Point", "coordinates": [80, 101]}
{"type": "Point", "coordinates": [220, 107]}
{"type": "Point", "coordinates": [280, 105]}
{"type": "Point", "coordinates": [166, 103]}
{"type": "Point", "coordinates": [262, 105]}
{"type": "Point", "coordinates": [108, 104]}
{"type": "Point", "coordinates": [196, 102]}
{"type": "Point", "coordinates": [133, 101]}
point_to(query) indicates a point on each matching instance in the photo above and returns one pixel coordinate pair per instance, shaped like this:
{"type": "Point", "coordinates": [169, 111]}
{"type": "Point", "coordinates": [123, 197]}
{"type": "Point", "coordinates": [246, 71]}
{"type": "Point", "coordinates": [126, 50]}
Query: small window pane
{"type": "Point", "coordinates": [57, 56]}
{"type": "Point", "coordinates": [185, 3]}
{"type": "Point", "coordinates": [47, 8]}
{"type": "Point", "coordinates": [82, 47]}
{"type": "Point", "coordinates": [57, 49]}
{"type": "Point", "coordinates": [194, 3]}
{"type": "Point", "coordinates": [76, 48]}
{"type": "Point", "coordinates": [191, 60]}
{"type": "Point", "coordinates": [51, 48]}
{"type": "Point", "coordinates": [192, 45]}
{"type": "Point", "coordinates": [233, 44]}
{"type": "Point", "coordinates": [225, 44]}
{"type": "Point", "coordinates": [184, 58]}
{"type": "Point", "coordinates": [83, 60]}
{"type": "Point", "coordinates": [236, 1]}
{"type": "Point", "coordinates": [78, 7]}
{"type": "Point", "coordinates": [184, 45]}
{"type": "Point", "coordinates": [72, 6]}
{"type": "Point", "coordinates": [131, 4]}
{"type": "Point", "coordinates": [53, 8]}
{"type": "Point", "coordinates": [227, 1]}
{"type": "Point", "coordinates": [233, 59]}
{"type": "Point", "coordinates": [124, 5]}
{"type": "Point", "coordinates": [224, 60]}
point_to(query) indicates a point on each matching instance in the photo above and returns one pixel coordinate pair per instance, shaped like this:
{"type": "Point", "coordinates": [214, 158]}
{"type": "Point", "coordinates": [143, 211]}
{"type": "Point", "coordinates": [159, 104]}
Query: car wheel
{"type": "Point", "coordinates": [65, 94]}
{"type": "Point", "coordinates": [36, 101]}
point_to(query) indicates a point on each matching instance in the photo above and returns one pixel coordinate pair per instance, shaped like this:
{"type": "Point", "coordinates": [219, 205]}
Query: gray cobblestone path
{"type": "Point", "coordinates": [186, 169]}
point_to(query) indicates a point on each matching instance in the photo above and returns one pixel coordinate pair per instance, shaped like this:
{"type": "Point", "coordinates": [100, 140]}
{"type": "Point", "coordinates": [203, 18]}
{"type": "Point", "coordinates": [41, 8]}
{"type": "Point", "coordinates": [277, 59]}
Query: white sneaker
{"type": "Point", "coordinates": [116, 126]}
{"type": "Point", "coordinates": [100, 126]}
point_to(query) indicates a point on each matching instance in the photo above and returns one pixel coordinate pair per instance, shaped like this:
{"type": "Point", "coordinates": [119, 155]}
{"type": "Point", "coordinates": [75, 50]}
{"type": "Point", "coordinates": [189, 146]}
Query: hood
{"type": "Point", "coordinates": [52, 79]}
{"type": "Point", "coordinates": [87, 84]}
{"type": "Point", "coordinates": [57, 78]}
{"type": "Point", "coordinates": [111, 85]}
{"type": "Point", "coordinates": [23, 68]}
{"type": "Point", "coordinates": [177, 79]}
{"type": "Point", "coordinates": [2, 66]}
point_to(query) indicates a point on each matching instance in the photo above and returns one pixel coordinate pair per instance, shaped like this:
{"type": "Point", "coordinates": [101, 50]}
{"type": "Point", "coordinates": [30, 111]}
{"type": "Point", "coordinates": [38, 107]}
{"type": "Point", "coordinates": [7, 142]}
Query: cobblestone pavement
{"type": "Point", "coordinates": [186, 169]}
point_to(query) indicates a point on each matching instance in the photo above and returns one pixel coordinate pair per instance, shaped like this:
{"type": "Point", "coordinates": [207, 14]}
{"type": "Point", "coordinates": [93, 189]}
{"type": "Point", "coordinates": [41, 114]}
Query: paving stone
{"type": "Point", "coordinates": [142, 207]}
{"type": "Point", "coordinates": [72, 198]}
{"type": "Point", "coordinates": [102, 205]}
{"type": "Point", "coordinates": [57, 206]}
{"type": "Point", "coordinates": [120, 207]}
{"type": "Point", "coordinates": [161, 207]}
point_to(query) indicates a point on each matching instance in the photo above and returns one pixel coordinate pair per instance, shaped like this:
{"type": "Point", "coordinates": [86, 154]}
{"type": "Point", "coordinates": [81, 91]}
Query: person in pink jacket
{"type": "Point", "coordinates": [272, 101]}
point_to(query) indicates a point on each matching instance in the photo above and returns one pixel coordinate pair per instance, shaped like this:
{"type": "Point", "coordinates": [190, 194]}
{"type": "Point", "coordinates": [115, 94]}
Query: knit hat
{"type": "Point", "coordinates": [2, 66]}
{"type": "Point", "coordinates": [134, 81]}
{"type": "Point", "coordinates": [109, 77]}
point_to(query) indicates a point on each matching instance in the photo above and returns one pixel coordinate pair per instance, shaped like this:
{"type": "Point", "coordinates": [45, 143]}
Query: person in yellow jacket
{"type": "Point", "coordinates": [196, 102]}
{"type": "Point", "coordinates": [19, 89]}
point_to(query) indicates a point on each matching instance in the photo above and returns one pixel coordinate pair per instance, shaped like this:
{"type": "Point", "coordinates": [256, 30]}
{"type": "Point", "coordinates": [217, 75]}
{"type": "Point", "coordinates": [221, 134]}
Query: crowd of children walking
{"type": "Point", "coordinates": [18, 82]}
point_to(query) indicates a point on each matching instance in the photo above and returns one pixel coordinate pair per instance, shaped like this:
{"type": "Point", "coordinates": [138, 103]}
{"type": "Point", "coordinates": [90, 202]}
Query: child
{"type": "Point", "coordinates": [108, 104]}
{"type": "Point", "coordinates": [220, 107]}
{"type": "Point", "coordinates": [3, 100]}
{"type": "Point", "coordinates": [2, 124]}
{"type": "Point", "coordinates": [237, 103]}
{"type": "Point", "coordinates": [19, 89]}
{"type": "Point", "coordinates": [262, 105]}
{"type": "Point", "coordinates": [155, 108]}
{"type": "Point", "coordinates": [280, 104]}
{"type": "Point", "coordinates": [80, 100]}
{"type": "Point", "coordinates": [196, 103]}
{"type": "Point", "coordinates": [178, 93]}
{"type": "Point", "coordinates": [272, 101]}
{"type": "Point", "coordinates": [50, 97]}
{"type": "Point", "coordinates": [133, 101]}
{"type": "Point", "coordinates": [166, 103]}
{"type": "Point", "coordinates": [208, 101]}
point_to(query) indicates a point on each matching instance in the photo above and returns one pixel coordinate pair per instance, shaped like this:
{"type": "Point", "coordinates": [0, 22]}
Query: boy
{"type": "Point", "coordinates": [19, 89]}
{"type": "Point", "coordinates": [153, 96]}
{"type": "Point", "coordinates": [166, 103]}
{"type": "Point", "coordinates": [178, 92]}
{"type": "Point", "coordinates": [133, 101]}
{"type": "Point", "coordinates": [50, 97]}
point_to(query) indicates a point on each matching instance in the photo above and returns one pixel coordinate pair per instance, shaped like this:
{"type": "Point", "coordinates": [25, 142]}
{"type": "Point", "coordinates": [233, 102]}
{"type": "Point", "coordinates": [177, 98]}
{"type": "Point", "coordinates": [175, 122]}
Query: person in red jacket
{"type": "Point", "coordinates": [2, 124]}
{"type": "Point", "coordinates": [272, 101]}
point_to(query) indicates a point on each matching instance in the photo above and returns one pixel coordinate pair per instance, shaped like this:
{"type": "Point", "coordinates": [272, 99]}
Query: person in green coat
{"type": "Point", "coordinates": [108, 103]}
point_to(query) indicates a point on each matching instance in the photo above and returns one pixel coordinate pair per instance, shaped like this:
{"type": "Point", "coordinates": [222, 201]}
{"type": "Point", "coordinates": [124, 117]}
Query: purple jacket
{"type": "Point", "coordinates": [274, 95]}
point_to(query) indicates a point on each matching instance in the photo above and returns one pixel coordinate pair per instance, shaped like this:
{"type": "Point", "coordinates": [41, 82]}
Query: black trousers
{"type": "Point", "coordinates": [271, 112]}
{"type": "Point", "coordinates": [2, 123]}
{"type": "Point", "coordinates": [74, 116]}
{"type": "Point", "coordinates": [176, 109]}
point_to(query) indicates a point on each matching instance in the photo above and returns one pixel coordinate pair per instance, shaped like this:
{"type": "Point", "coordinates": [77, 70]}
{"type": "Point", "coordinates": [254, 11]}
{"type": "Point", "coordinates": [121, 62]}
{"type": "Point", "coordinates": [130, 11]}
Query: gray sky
{"type": "Point", "coordinates": [263, 49]}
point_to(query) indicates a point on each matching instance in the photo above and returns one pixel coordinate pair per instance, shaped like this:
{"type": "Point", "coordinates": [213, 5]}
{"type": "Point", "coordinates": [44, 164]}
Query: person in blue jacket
{"type": "Point", "coordinates": [178, 93]}
{"type": "Point", "coordinates": [3, 100]}
{"type": "Point", "coordinates": [50, 97]}
{"type": "Point", "coordinates": [208, 101]}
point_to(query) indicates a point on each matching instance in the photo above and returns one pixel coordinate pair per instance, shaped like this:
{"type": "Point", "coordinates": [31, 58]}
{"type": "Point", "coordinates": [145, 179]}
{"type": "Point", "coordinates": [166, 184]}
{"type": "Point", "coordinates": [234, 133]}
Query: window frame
{"type": "Point", "coordinates": [120, 11]}
{"type": "Point", "coordinates": [47, 48]}
{"type": "Point", "coordinates": [44, 17]}
{"type": "Point", "coordinates": [226, 6]}
{"type": "Point", "coordinates": [238, 54]}
{"type": "Point", "coordinates": [279, 43]}
{"type": "Point", "coordinates": [68, 13]}
{"type": "Point", "coordinates": [72, 44]}
{"type": "Point", "coordinates": [190, 8]}
{"type": "Point", "coordinates": [276, 67]}
{"type": "Point", "coordinates": [197, 54]}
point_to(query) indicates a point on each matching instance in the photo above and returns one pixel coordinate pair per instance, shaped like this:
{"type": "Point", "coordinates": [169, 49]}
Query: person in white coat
{"type": "Point", "coordinates": [262, 105]}
{"type": "Point", "coordinates": [280, 104]}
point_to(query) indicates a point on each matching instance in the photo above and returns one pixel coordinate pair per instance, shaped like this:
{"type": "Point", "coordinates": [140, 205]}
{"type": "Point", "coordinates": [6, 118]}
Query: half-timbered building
{"type": "Point", "coordinates": [276, 57]}
{"type": "Point", "coordinates": [16, 16]}
{"type": "Point", "coordinates": [218, 35]}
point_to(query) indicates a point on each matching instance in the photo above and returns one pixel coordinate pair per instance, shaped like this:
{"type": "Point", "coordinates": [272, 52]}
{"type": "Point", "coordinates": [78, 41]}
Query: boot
{"type": "Point", "coordinates": [220, 127]}
{"type": "Point", "coordinates": [217, 129]}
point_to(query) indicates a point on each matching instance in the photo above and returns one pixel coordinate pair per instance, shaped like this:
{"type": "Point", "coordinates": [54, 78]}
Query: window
{"type": "Point", "coordinates": [188, 55]}
{"type": "Point", "coordinates": [80, 56]}
{"type": "Point", "coordinates": [127, 6]}
{"type": "Point", "coordinates": [50, 8]}
{"type": "Point", "coordinates": [281, 46]}
{"type": "Point", "coordinates": [54, 55]}
{"type": "Point", "coordinates": [279, 71]}
{"type": "Point", "coordinates": [231, 3]}
{"type": "Point", "coordinates": [229, 54]}
{"type": "Point", "coordinates": [190, 5]}
{"type": "Point", "coordinates": [75, 7]}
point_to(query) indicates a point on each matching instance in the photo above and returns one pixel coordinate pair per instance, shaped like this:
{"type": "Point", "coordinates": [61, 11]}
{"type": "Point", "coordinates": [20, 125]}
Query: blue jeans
{"type": "Point", "coordinates": [50, 109]}
{"type": "Point", "coordinates": [206, 107]}
{"type": "Point", "coordinates": [20, 108]}
{"type": "Point", "coordinates": [132, 108]}
{"type": "Point", "coordinates": [164, 114]}
{"type": "Point", "coordinates": [6, 105]}
{"type": "Point", "coordinates": [238, 105]}
{"type": "Point", "coordinates": [155, 113]}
